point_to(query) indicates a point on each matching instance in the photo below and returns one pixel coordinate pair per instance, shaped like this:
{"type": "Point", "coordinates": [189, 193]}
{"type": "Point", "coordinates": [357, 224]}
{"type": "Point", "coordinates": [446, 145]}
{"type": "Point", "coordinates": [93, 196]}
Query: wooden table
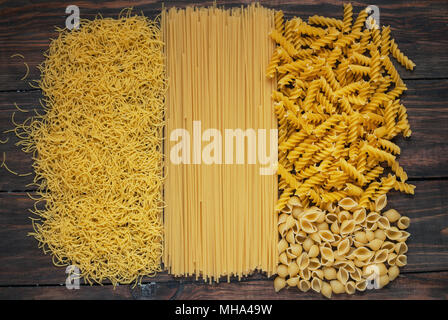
{"type": "Point", "coordinates": [421, 29]}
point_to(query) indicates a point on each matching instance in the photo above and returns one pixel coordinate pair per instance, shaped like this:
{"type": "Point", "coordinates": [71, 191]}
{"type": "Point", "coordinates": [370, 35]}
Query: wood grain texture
{"type": "Point", "coordinates": [23, 263]}
{"type": "Point", "coordinates": [406, 286]}
{"type": "Point", "coordinates": [424, 155]}
{"type": "Point", "coordinates": [27, 26]}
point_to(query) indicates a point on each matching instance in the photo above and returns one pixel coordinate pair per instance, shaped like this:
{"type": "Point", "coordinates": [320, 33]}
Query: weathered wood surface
{"type": "Point", "coordinates": [420, 28]}
{"type": "Point", "coordinates": [405, 287]}
{"type": "Point", "coordinates": [26, 26]}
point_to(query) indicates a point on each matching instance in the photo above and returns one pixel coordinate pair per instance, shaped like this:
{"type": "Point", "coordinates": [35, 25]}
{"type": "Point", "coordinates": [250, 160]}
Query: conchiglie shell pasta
{"type": "Point", "coordinates": [350, 287]}
{"type": "Point", "coordinates": [330, 218]}
{"type": "Point", "coordinates": [393, 272]}
{"type": "Point", "coordinates": [326, 289]}
{"type": "Point", "coordinates": [282, 245]}
{"type": "Point", "coordinates": [294, 201]}
{"type": "Point", "coordinates": [329, 273]}
{"type": "Point", "coordinates": [304, 285]}
{"type": "Point", "coordinates": [326, 253]}
{"type": "Point", "coordinates": [362, 254]}
{"type": "Point", "coordinates": [392, 215]}
{"type": "Point", "coordinates": [337, 287]}
{"type": "Point", "coordinates": [359, 216]}
{"type": "Point", "coordinates": [279, 284]}
{"type": "Point", "coordinates": [282, 270]}
{"type": "Point", "coordinates": [293, 269]}
{"type": "Point", "coordinates": [347, 227]}
{"type": "Point", "coordinates": [292, 282]}
{"type": "Point", "coordinates": [402, 260]}
{"type": "Point", "coordinates": [326, 236]}
{"type": "Point", "coordinates": [303, 261]}
{"type": "Point", "coordinates": [316, 284]}
{"type": "Point", "coordinates": [380, 202]}
{"type": "Point", "coordinates": [361, 285]}
{"type": "Point", "coordinates": [403, 222]}
{"type": "Point", "coordinates": [401, 248]}
{"type": "Point", "coordinates": [307, 226]}
{"type": "Point", "coordinates": [375, 244]}
{"type": "Point", "coordinates": [347, 203]}
{"type": "Point", "coordinates": [343, 247]}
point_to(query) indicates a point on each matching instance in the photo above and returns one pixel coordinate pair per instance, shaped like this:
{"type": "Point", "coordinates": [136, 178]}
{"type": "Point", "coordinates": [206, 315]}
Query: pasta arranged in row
{"type": "Point", "coordinates": [338, 108]}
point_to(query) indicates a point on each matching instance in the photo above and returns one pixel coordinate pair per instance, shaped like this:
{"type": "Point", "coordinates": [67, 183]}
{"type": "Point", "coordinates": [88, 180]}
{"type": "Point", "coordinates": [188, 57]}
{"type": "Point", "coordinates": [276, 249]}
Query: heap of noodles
{"type": "Point", "coordinates": [97, 150]}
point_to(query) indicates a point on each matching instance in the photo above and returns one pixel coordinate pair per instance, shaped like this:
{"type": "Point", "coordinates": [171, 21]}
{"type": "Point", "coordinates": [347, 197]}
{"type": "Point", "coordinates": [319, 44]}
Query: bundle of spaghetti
{"type": "Point", "coordinates": [218, 220]}
{"type": "Point", "coordinates": [97, 149]}
{"type": "Point", "coordinates": [341, 95]}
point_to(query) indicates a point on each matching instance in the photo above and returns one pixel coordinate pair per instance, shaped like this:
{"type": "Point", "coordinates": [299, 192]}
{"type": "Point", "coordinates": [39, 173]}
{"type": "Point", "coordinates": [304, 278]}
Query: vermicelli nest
{"type": "Point", "coordinates": [98, 149]}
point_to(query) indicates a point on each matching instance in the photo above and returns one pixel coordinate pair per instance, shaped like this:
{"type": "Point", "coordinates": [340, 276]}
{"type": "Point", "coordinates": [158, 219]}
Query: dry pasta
{"type": "Point", "coordinates": [218, 219]}
{"type": "Point", "coordinates": [97, 150]}
{"type": "Point", "coordinates": [338, 104]}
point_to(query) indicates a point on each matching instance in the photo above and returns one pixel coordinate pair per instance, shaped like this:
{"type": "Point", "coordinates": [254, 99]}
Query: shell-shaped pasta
{"type": "Point", "coordinates": [401, 248]}
{"type": "Point", "coordinates": [300, 236]}
{"type": "Point", "coordinates": [307, 226]}
{"type": "Point", "coordinates": [314, 264]}
{"type": "Point", "coordinates": [290, 222]}
{"type": "Point", "coordinates": [326, 289]}
{"type": "Point", "coordinates": [283, 258]}
{"type": "Point", "coordinates": [362, 254]}
{"type": "Point", "coordinates": [334, 227]}
{"type": "Point", "coordinates": [347, 203]}
{"type": "Point", "coordinates": [292, 282]}
{"type": "Point", "coordinates": [403, 222]}
{"type": "Point", "coordinates": [350, 266]}
{"type": "Point", "coordinates": [337, 287]}
{"type": "Point", "coordinates": [372, 217]}
{"type": "Point", "coordinates": [282, 245]}
{"type": "Point", "coordinates": [380, 202]}
{"type": "Point", "coordinates": [316, 284]}
{"type": "Point", "coordinates": [380, 234]}
{"type": "Point", "coordinates": [361, 236]}
{"type": "Point", "coordinates": [311, 214]}
{"type": "Point", "coordinates": [343, 247]}
{"type": "Point", "coordinates": [358, 263]}
{"type": "Point", "coordinates": [356, 275]}
{"type": "Point", "coordinates": [402, 260]}
{"type": "Point", "coordinates": [393, 272]}
{"type": "Point", "coordinates": [314, 251]}
{"type": "Point", "coordinates": [342, 275]}
{"type": "Point", "coordinates": [293, 269]}
{"type": "Point", "coordinates": [326, 236]}
{"type": "Point", "coordinates": [290, 237]}
{"type": "Point", "coordinates": [327, 254]}
{"type": "Point", "coordinates": [287, 209]}
{"type": "Point", "coordinates": [347, 227]}
{"type": "Point", "coordinates": [279, 284]}
{"type": "Point", "coordinates": [303, 261]}
{"type": "Point", "coordinates": [295, 249]}
{"type": "Point", "coordinates": [392, 258]}
{"type": "Point", "coordinates": [329, 273]}
{"type": "Point", "coordinates": [392, 215]}
{"type": "Point", "coordinates": [282, 229]}
{"type": "Point", "coordinates": [282, 270]}
{"type": "Point", "coordinates": [297, 212]}
{"type": "Point", "coordinates": [383, 223]}
{"type": "Point", "coordinates": [331, 207]}
{"type": "Point", "coordinates": [282, 218]}
{"type": "Point", "coordinates": [315, 237]}
{"type": "Point", "coordinates": [381, 256]}
{"type": "Point", "coordinates": [323, 226]}
{"type": "Point", "coordinates": [371, 226]}
{"type": "Point", "coordinates": [344, 215]}
{"type": "Point", "coordinates": [307, 244]}
{"type": "Point", "coordinates": [393, 234]}
{"type": "Point", "coordinates": [305, 274]}
{"type": "Point", "coordinates": [361, 285]}
{"type": "Point", "coordinates": [404, 236]}
{"type": "Point", "coordinates": [319, 273]}
{"type": "Point", "coordinates": [359, 216]}
{"type": "Point", "coordinates": [304, 285]}
{"type": "Point", "coordinates": [337, 239]}
{"type": "Point", "coordinates": [294, 201]}
{"type": "Point", "coordinates": [384, 281]}
{"type": "Point", "coordinates": [370, 235]}
{"type": "Point", "coordinates": [330, 218]}
{"type": "Point", "coordinates": [375, 244]}
{"type": "Point", "coordinates": [390, 246]}
{"type": "Point", "coordinates": [350, 287]}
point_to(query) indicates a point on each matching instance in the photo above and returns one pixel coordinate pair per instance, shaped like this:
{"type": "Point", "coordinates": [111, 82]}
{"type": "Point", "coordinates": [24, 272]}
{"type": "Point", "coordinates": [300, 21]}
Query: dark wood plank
{"type": "Point", "coordinates": [406, 286]}
{"type": "Point", "coordinates": [424, 155]}
{"type": "Point", "coordinates": [23, 263]}
{"type": "Point", "coordinates": [26, 27]}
